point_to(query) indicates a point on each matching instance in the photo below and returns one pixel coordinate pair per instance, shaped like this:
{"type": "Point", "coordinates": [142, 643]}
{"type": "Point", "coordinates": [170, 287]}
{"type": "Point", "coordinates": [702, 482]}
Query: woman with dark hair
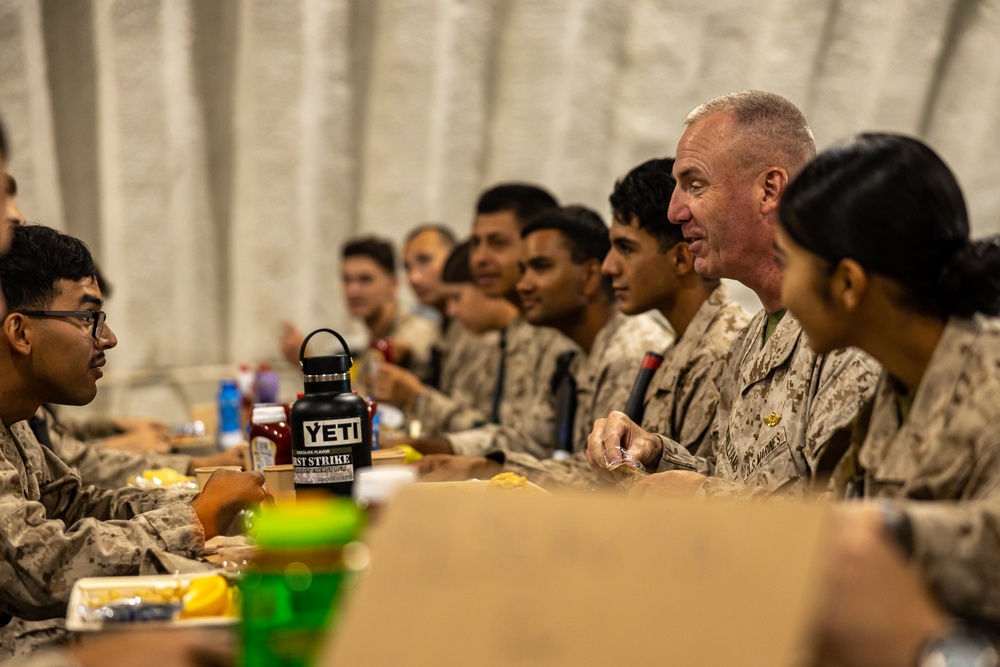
{"type": "Point", "coordinates": [875, 250]}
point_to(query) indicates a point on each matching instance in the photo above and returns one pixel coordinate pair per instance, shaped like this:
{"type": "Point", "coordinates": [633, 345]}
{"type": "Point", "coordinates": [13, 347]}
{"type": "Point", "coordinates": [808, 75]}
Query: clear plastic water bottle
{"type": "Point", "coordinates": [230, 430]}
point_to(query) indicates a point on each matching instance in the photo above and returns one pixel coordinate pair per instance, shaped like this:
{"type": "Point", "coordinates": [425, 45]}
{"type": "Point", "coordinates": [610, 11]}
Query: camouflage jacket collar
{"type": "Point", "coordinates": [776, 351]}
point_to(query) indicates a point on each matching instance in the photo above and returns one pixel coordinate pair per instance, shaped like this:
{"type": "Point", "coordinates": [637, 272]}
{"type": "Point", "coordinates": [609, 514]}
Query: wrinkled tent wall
{"type": "Point", "coordinates": [215, 154]}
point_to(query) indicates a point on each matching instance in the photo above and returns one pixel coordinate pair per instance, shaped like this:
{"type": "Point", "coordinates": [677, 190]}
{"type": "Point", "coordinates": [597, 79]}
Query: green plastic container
{"type": "Point", "coordinates": [292, 589]}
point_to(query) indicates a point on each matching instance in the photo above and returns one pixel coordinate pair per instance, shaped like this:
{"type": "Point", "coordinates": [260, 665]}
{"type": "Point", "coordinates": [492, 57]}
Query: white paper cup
{"type": "Point", "coordinates": [202, 474]}
{"type": "Point", "coordinates": [280, 481]}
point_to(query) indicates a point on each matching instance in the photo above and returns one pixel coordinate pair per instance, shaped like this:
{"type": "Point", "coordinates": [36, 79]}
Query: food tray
{"type": "Point", "coordinates": [77, 622]}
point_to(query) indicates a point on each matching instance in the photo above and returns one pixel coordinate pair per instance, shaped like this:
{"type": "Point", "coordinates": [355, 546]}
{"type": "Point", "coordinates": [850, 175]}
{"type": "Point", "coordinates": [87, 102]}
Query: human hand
{"type": "Point", "coordinates": [669, 484]}
{"type": "Point", "coordinates": [875, 611]}
{"type": "Point", "coordinates": [291, 342]}
{"type": "Point", "coordinates": [611, 436]}
{"type": "Point", "coordinates": [396, 385]}
{"type": "Point", "coordinates": [226, 493]}
{"type": "Point", "coordinates": [141, 441]}
{"type": "Point", "coordinates": [450, 468]}
{"type": "Point", "coordinates": [234, 456]}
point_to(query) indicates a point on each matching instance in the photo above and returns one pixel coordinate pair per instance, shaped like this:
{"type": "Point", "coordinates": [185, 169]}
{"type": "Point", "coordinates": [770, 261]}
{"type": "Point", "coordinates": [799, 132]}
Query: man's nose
{"type": "Point", "coordinates": [609, 266]}
{"type": "Point", "coordinates": [677, 210]}
{"type": "Point", "coordinates": [108, 339]}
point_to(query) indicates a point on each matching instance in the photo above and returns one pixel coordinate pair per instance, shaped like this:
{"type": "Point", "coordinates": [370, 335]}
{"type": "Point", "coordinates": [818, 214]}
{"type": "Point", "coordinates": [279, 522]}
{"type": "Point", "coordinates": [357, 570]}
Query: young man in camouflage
{"type": "Point", "coordinates": [55, 529]}
{"type": "Point", "coordinates": [785, 412]}
{"type": "Point", "coordinates": [468, 371]}
{"type": "Point", "coordinates": [368, 272]}
{"type": "Point", "coordinates": [522, 412]}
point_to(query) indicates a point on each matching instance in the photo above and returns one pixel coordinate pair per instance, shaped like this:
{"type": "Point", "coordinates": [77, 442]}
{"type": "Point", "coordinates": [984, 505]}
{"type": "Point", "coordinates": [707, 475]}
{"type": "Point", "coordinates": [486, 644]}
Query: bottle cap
{"type": "Point", "coordinates": [268, 414]}
{"type": "Point", "coordinates": [328, 365]}
{"type": "Point", "coordinates": [310, 522]}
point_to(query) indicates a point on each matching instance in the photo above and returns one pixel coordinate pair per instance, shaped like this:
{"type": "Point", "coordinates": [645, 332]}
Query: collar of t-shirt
{"type": "Point", "coordinates": [772, 322]}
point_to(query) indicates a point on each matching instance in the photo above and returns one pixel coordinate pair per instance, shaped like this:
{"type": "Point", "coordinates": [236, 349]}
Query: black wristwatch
{"type": "Point", "coordinates": [959, 646]}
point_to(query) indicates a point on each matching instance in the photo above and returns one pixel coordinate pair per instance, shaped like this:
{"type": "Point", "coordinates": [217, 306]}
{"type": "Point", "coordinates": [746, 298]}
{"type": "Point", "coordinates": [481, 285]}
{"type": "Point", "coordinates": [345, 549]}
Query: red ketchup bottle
{"type": "Point", "coordinates": [270, 437]}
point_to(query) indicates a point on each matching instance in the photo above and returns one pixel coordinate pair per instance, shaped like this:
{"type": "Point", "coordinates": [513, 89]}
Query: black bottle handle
{"type": "Point", "coordinates": [302, 350]}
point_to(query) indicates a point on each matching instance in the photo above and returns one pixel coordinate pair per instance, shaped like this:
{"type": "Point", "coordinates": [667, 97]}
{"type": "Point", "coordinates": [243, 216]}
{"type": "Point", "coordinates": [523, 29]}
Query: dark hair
{"type": "Point", "coordinates": [644, 194]}
{"type": "Point", "coordinates": [891, 204]}
{"type": "Point", "coordinates": [444, 233]}
{"type": "Point", "coordinates": [524, 200]}
{"type": "Point", "coordinates": [456, 267]}
{"type": "Point", "coordinates": [582, 229]}
{"type": "Point", "coordinates": [11, 186]}
{"type": "Point", "coordinates": [378, 250]}
{"type": "Point", "coordinates": [39, 257]}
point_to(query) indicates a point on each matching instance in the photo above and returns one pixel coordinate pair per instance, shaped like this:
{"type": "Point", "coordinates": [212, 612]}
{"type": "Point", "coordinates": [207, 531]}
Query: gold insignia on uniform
{"type": "Point", "coordinates": [772, 419]}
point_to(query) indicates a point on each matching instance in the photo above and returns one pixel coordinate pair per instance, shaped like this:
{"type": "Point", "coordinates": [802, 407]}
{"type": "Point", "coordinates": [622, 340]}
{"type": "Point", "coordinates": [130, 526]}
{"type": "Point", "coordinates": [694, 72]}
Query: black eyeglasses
{"type": "Point", "coordinates": [96, 316]}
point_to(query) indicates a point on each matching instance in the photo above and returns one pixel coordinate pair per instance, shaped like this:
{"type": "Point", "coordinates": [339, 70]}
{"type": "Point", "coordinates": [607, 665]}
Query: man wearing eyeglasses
{"type": "Point", "coordinates": [53, 528]}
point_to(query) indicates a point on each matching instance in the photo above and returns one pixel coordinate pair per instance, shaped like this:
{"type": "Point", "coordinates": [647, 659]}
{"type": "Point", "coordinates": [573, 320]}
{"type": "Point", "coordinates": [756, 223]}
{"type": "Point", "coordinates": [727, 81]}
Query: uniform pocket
{"type": "Point", "coordinates": [773, 465]}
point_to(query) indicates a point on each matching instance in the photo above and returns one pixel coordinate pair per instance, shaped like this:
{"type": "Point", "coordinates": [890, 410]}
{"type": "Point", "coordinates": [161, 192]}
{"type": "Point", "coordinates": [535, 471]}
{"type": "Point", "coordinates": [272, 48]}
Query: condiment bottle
{"type": "Point", "coordinates": [230, 431]}
{"type": "Point", "coordinates": [331, 434]}
{"type": "Point", "coordinates": [270, 437]}
{"type": "Point", "coordinates": [292, 587]}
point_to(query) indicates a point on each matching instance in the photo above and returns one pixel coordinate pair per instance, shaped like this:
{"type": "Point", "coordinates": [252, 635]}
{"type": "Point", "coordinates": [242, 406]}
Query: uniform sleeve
{"type": "Point", "coordinates": [91, 429]}
{"type": "Point", "coordinates": [110, 468]}
{"type": "Point", "coordinates": [697, 404]}
{"type": "Point", "coordinates": [439, 413]}
{"type": "Point", "coordinates": [955, 547]}
{"type": "Point", "coordinates": [41, 557]}
{"type": "Point", "coordinates": [574, 472]}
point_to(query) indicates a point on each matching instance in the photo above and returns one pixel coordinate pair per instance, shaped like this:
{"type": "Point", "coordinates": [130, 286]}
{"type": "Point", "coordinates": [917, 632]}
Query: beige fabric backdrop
{"type": "Point", "coordinates": [216, 153]}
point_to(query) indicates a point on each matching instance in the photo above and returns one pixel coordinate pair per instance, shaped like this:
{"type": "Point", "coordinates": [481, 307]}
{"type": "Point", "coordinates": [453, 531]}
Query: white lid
{"type": "Point", "coordinates": [268, 414]}
{"type": "Point", "coordinates": [381, 484]}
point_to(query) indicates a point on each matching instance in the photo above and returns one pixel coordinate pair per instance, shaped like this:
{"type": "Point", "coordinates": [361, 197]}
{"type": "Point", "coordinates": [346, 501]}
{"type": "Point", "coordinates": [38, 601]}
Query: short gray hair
{"type": "Point", "coordinates": [772, 129]}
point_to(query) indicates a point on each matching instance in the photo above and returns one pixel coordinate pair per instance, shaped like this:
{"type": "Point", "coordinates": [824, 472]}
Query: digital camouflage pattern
{"type": "Point", "coordinates": [103, 467]}
{"type": "Point", "coordinates": [785, 413]}
{"type": "Point", "coordinates": [469, 366]}
{"type": "Point", "coordinates": [527, 407]}
{"type": "Point", "coordinates": [604, 379]}
{"type": "Point", "coordinates": [412, 336]}
{"type": "Point", "coordinates": [55, 530]}
{"type": "Point", "coordinates": [947, 449]}
{"type": "Point", "coordinates": [684, 393]}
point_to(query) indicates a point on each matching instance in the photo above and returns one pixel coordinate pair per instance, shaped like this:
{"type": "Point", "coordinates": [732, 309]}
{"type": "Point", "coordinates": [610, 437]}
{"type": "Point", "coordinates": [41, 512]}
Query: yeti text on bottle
{"type": "Point", "coordinates": [332, 432]}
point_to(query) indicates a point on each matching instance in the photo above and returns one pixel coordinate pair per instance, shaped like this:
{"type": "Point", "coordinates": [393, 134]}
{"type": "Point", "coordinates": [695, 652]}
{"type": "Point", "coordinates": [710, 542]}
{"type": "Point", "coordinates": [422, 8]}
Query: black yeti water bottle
{"type": "Point", "coordinates": [331, 434]}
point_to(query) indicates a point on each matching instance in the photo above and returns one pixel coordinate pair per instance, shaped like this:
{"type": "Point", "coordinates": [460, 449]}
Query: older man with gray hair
{"type": "Point", "coordinates": [785, 412]}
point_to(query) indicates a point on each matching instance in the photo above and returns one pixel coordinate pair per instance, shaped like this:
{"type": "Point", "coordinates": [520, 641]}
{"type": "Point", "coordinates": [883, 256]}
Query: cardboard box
{"type": "Point", "coordinates": [508, 579]}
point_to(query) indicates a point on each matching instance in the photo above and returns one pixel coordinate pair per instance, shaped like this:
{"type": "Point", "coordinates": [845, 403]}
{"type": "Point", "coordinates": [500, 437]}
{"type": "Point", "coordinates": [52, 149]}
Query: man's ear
{"type": "Point", "coordinates": [772, 182]}
{"type": "Point", "coordinates": [681, 259]}
{"type": "Point", "coordinates": [591, 277]}
{"type": "Point", "coordinates": [849, 284]}
{"type": "Point", "coordinates": [17, 331]}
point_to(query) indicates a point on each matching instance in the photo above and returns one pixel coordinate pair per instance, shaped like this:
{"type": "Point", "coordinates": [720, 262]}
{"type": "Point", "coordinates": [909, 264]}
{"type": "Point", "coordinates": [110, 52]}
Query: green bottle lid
{"type": "Point", "coordinates": [312, 522]}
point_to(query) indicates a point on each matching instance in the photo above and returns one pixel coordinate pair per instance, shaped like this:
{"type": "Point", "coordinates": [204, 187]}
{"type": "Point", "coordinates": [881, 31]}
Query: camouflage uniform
{"type": "Point", "coordinates": [103, 467]}
{"type": "Point", "coordinates": [412, 335]}
{"type": "Point", "coordinates": [785, 413]}
{"type": "Point", "coordinates": [684, 393]}
{"type": "Point", "coordinates": [604, 379]}
{"type": "Point", "coordinates": [55, 530]}
{"type": "Point", "coordinates": [948, 449]}
{"type": "Point", "coordinates": [527, 407]}
{"type": "Point", "coordinates": [469, 366]}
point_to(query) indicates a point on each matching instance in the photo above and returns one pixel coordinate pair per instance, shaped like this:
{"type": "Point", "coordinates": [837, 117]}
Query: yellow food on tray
{"type": "Point", "coordinates": [209, 596]}
{"type": "Point", "coordinates": [164, 477]}
{"type": "Point", "coordinates": [511, 481]}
